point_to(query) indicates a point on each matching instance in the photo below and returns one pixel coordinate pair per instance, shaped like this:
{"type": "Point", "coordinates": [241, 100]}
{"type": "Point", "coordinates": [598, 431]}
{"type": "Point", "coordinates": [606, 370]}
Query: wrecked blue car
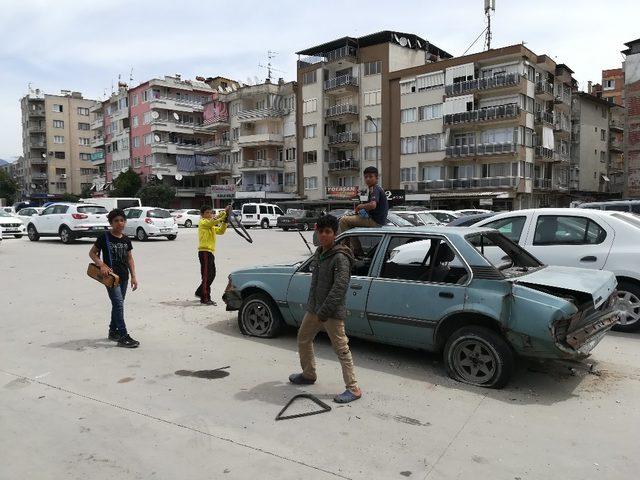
{"type": "Point", "coordinates": [469, 292]}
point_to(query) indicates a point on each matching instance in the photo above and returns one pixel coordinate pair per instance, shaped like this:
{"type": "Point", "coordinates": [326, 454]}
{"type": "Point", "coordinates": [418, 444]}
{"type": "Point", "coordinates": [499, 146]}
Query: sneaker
{"type": "Point", "coordinates": [114, 335]}
{"type": "Point", "coordinates": [348, 396]}
{"type": "Point", "coordinates": [300, 379]}
{"type": "Point", "coordinates": [127, 342]}
{"type": "Point", "coordinates": [209, 302]}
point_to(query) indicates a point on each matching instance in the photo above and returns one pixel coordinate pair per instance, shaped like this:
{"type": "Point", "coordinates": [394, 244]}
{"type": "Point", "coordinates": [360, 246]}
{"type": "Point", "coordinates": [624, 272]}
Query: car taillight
{"type": "Point", "coordinates": [149, 221]}
{"type": "Point", "coordinates": [79, 216]}
{"type": "Point", "coordinates": [315, 226]}
{"type": "Point", "coordinates": [178, 216]}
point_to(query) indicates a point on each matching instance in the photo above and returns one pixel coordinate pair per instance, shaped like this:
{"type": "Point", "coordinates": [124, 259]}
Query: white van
{"type": "Point", "coordinates": [263, 214]}
{"type": "Point", "coordinates": [113, 202]}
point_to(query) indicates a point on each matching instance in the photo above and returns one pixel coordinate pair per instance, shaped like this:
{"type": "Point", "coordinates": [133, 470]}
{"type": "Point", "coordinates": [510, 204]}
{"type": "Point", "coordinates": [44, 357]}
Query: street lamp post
{"type": "Point", "coordinates": [375, 125]}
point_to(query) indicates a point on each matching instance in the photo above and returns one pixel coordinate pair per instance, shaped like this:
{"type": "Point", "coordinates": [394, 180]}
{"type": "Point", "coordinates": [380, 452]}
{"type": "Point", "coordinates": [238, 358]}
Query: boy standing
{"type": "Point", "coordinates": [326, 309]}
{"type": "Point", "coordinates": [112, 252]}
{"type": "Point", "coordinates": [208, 227]}
{"type": "Point", "coordinates": [374, 212]}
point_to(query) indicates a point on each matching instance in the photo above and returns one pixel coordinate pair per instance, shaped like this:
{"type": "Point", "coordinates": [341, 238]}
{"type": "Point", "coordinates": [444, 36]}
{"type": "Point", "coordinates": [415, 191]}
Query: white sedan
{"type": "Point", "coordinates": [187, 218]}
{"type": "Point", "coordinates": [11, 225]}
{"type": "Point", "coordinates": [26, 213]}
{"type": "Point", "coordinates": [572, 237]}
{"type": "Point", "coordinates": [145, 222]}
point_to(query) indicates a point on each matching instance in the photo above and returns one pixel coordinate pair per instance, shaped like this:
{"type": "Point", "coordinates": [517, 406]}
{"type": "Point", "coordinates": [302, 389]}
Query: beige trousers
{"type": "Point", "coordinates": [353, 221]}
{"type": "Point", "coordinates": [310, 327]}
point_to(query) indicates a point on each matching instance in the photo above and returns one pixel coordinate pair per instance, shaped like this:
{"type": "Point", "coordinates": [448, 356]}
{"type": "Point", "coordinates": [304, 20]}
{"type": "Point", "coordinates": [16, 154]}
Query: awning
{"type": "Point", "coordinates": [472, 195]}
{"type": "Point", "coordinates": [605, 178]}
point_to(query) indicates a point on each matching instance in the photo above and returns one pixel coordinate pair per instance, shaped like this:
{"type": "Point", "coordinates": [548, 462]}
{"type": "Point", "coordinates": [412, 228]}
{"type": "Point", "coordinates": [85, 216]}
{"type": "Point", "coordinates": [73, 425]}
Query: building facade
{"type": "Point", "coordinates": [492, 128]}
{"type": "Point", "coordinates": [339, 115]}
{"type": "Point", "coordinates": [612, 86]}
{"type": "Point", "coordinates": [631, 96]}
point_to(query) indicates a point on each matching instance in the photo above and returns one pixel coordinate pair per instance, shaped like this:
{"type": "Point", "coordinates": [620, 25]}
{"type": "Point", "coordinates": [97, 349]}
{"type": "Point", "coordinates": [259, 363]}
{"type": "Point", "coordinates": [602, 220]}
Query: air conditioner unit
{"type": "Point", "coordinates": [63, 175]}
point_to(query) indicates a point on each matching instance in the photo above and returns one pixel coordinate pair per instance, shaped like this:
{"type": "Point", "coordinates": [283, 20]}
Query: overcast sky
{"type": "Point", "coordinates": [84, 45]}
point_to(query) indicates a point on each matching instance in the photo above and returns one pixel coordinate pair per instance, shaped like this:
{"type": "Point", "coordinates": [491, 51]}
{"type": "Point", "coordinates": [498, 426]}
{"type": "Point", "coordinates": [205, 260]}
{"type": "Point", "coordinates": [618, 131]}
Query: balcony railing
{"type": "Point", "coordinates": [261, 113]}
{"type": "Point", "coordinates": [262, 164]}
{"type": "Point", "coordinates": [259, 187]}
{"type": "Point", "coordinates": [544, 153]}
{"type": "Point", "coordinates": [215, 145]}
{"type": "Point", "coordinates": [338, 110]}
{"type": "Point", "coordinates": [342, 52]}
{"type": "Point", "coordinates": [542, 183]}
{"type": "Point", "coordinates": [469, 183]}
{"type": "Point", "coordinates": [506, 80]}
{"type": "Point", "coordinates": [615, 144]}
{"type": "Point", "coordinates": [36, 129]}
{"type": "Point", "coordinates": [344, 137]}
{"type": "Point", "coordinates": [339, 165]}
{"type": "Point", "coordinates": [341, 81]}
{"type": "Point", "coordinates": [498, 112]}
{"type": "Point", "coordinates": [38, 112]}
{"type": "Point", "coordinates": [562, 124]}
{"type": "Point", "coordinates": [616, 124]}
{"type": "Point", "coordinates": [38, 176]}
{"type": "Point", "coordinates": [544, 88]}
{"type": "Point", "coordinates": [481, 149]}
{"type": "Point", "coordinates": [37, 161]}
{"type": "Point", "coordinates": [544, 117]}
{"type": "Point", "coordinates": [38, 145]}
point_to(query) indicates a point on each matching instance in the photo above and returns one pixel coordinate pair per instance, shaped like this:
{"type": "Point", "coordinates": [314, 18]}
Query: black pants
{"type": "Point", "coordinates": [207, 275]}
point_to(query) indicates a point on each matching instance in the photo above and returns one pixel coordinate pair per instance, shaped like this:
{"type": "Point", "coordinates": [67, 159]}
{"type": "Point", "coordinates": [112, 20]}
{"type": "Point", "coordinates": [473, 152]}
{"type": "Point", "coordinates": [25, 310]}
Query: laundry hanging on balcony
{"type": "Point", "coordinates": [547, 138]}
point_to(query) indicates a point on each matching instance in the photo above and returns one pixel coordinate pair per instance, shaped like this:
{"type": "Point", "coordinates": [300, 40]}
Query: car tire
{"type": "Point", "coordinates": [66, 235]}
{"type": "Point", "coordinates": [32, 233]}
{"type": "Point", "coordinates": [478, 356]}
{"type": "Point", "coordinates": [264, 224]}
{"type": "Point", "coordinates": [286, 229]}
{"type": "Point", "coordinates": [188, 224]}
{"type": "Point", "coordinates": [629, 296]}
{"type": "Point", "coordinates": [141, 235]}
{"type": "Point", "coordinates": [171, 237]}
{"type": "Point", "coordinates": [18, 236]}
{"type": "Point", "coordinates": [259, 316]}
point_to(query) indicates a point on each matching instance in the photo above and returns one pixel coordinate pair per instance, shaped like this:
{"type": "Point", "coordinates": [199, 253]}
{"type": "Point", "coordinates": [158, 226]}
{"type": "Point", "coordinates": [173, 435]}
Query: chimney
{"type": "Point", "coordinates": [280, 81]}
{"type": "Point", "coordinates": [589, 87]}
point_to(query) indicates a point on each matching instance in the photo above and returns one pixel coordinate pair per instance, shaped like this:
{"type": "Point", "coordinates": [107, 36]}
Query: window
{"type": "Point", "coordinates": [408, 145]}
{"type": "Point", "coordinates": [364, 249]}
{"type": "Point", "coordinates": [134, 99]}
{"type": "Point", "coordinates": [235, 133]}
{"type": "Point", "coordinates": [432, 80]}
{"type": "Point", "coordinates": [431, 143]}
{"type": "Point", "coordinates": [429, 112]}
{"type": "Point", "coordinates": [148, 139]}
{"type": "Point", "coordinates": [373, 68]}
{"type": "Point", "coordinates": [309, 78]}
{"type": "Point", "coordinates": [290, 179]}
{"type": "Point", "coordinates": [310, 105]}
{"type": "Point", "coordinates": [408, 174]}
{"type": "Point", "coordinates": [57, 108]}
{"type": "Point", "coordinates": [369, 126]}
{"type": "Point", "coordinates": [84, 126]}
{"type": "Point", "coordinates": [603, 134]}
{"type": "Point", "coordinates": [87, 171]}
{"type": "Point", "coordinates": [58, 124]}
{"type": "Point", "coordinates": [235, 157]}
{"type": "Point", "coordinates": [309, 131]}
{"type": "Point", "coordinates": [602, 157]}
{"type": "Point", "coordinates": [134, 213]}
{"type": "Point", "coordinates": [148, 160]}
{"type": "Point", "coordinates": [123, 103]}
{"type": "Point", "coordinates": [83, 111]}
{"type": "Point", "coordinates": [422, 259]}
{"type": "Point", "coordinates": [136, 142]}
{"type": "Point", "coordinates": [60, 186]}
{"type": "Point", "coordinates": [372, 153]}
{"type": "Point", "coordinates": [60, 155]}
{"type": "Point", "coordinates": [609, 85]}
{"type": "Point", "coordinates": [509, 227]}
{"type": "Point", "coordinates": [502, 253]}
{"type": "Point", "coordinates": [567, 230]}
{"type": "Point", "coordinates": [310, 157]}
{"type": "Point", "coordinates": [498, 135]}
{"type": "Point", "coordinates": [134, 121]}
{"type": "Point", "coordinates": [147, 118]}
{"type": "Point", "coordinates": [408, 86]}
{"type": "Point", "coordinates": [48, 210]}
{"type": "Point", "coordinates": [290, 154]}
{"type": "Point", "coordinates": [85, 156]}
{"type": "Point", "coordinates": [310, 183]}
{"type": "Point", "coordinates": [61, 171]}
{"type": "Point", "coordinates": [84, 142]}
{"type": "Point", "coordinates": [407, 115]}
{"type": "Point", "coordinates": [58, 139]}
{"type": "Point", "coordinates": [433, 172]}
{"type": "Point", "coordinates": [373, 97]}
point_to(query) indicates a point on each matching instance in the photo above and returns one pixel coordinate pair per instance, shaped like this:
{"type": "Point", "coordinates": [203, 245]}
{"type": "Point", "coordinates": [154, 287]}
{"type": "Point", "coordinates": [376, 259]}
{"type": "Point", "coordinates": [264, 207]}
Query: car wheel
{"type": "Point", "coordinates": [629, 301]}
{"type": "Point", "coordinates": [188, 224]}
{"type": "Point", "coordinates": [286, 229]}
{"type": "Point", "coordinates": [259, 316]}
{"type": "Point", "coordinates": [141, 234]}
{"type": "Point", "coordinates": [171, 237]}
{"type": "Point", "coordinates": [478, 356]}
{"type": "Point", "coordinates": [66, 236]}
{"type": "Point", "coordinates": [18, 236]}
{"type": "Point", "coordinates": [264, 224]}
{"type": "Point", "coordinates": [32, 233]}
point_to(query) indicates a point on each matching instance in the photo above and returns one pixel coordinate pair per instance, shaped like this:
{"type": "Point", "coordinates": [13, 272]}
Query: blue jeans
{"type": "Point", "coordinates": [116, 295]}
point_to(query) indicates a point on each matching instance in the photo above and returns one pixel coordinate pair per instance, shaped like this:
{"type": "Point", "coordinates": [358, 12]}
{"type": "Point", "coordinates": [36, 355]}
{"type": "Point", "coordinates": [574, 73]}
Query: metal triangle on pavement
{"type": "Point", "coordinates": [325, 408]}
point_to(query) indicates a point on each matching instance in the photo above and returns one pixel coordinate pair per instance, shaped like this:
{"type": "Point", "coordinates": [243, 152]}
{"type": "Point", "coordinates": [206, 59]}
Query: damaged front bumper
{"type": "Point", "coordinates": [232, 297]}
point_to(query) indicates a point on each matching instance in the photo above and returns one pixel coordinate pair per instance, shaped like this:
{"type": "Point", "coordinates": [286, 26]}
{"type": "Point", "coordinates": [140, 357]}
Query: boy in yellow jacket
{"type": "Point", "coordinates": [208, 227]}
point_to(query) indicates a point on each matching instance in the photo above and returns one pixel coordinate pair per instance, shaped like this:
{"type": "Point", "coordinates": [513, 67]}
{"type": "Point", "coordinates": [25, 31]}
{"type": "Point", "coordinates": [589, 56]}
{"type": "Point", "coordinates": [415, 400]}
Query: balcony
{"type": "Point", "coordinates": [261, 164]}
{"type": "Point", "coordinates": [490, 114]}
{"type": "Point", "coordinates": [38, 176]}
{"type": "Point", "coordinates": [544, 90]}
{"type": "Point", "coordinates": [469, 183]}
{"type": "Point", "coordinates": [37, 161]}
{"type": "Point", "coordinates": [261, 114]}
{"type": "Point", "coordinates": [36, 144]}
{"type": "Point", "coordinates": [346, 52]}
{"type": "Point", "coordinates": [340, 112]}
{"type": "Point", "coordinates": [258, 187]}
{"type": "Point", "coordinates": [341, 84]}
{"type": "Point", "coordinates": [344, 138]}
{"type": "Point", "coordinates": [481, 149]}
{"type": "Point", "coordinates": [214, 146]}
{"type": "Point", "coordinates": [260, 139]}
{"type": "Point", "coordinates": [36, 128]}
{"type": "Point", "coordinates": [561, 157]}
{"type": "Point", "coordinates": [543, 117]}
{"type": "Point", "coordinates": [96, 124]}
{"type": "Point", "coordinates": [615, 124]}
{"type": "Point", "coordinates": [190, 192]}
{"type": "Point", "coordinates": [97, 142]}
{"type": "Point", "coordinates": [544, 154]}
{"type": "Point", "coordinates": [344, 165]}
{"type": "Point", "coordinates": [176, 104]}
{"type": "Point", "coordinates": [38, 112]}
{"type": "Point", "coordinates": [173, 148]}
{"type": "Point", "coordinates": [162, 125]}
{"type": "Point", "coordinates": [615, 144]}
{"type": "Point", "coordinates": [213, 124]}
{"type": "Point", "coordinates": [482, 84]}
{"type": "Point", "coordinates": [97, 158]}
{"type": "Point", "coordinates": [562, 127]}
{"type": "Point", "coordinates": [542, 183]}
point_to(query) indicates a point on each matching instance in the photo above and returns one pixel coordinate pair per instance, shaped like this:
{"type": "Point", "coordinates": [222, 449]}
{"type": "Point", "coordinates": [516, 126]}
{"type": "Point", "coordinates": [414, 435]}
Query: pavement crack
{"type": "Point", "coordinates": [175, 424]}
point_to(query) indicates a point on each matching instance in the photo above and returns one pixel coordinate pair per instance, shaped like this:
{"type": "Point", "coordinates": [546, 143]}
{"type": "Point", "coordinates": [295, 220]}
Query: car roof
{"type": "Point", "coordinates": [427, 229]}
{"type": "Point", "coordinates": [558, 211]}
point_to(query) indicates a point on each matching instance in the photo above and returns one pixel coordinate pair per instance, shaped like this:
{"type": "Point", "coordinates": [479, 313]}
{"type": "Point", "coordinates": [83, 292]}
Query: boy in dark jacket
{"type": "Point", "coordinates": [326, 309]}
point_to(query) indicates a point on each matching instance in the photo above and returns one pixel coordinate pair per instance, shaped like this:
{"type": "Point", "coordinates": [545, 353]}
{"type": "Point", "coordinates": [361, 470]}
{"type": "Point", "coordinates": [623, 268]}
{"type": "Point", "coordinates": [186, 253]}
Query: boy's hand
{"type": "Point", "coordinates": [228, 209]}
{"type": "Point", "coordinates": [134, 283]}
{"type": "Point", "coordinates": [359, 207]}
{"type": "Point", "coordinates": [105, 270]}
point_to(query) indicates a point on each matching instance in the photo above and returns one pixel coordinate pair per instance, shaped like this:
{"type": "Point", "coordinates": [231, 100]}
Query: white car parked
{"type": "Point", "coordinates": [145, 222]}
{"type": "Point", "coordinates": [11, 225]}
{"type": "Point", "coordinates": [187, 218]}
{"type": "Point", "coordinates": [69, 221]}
{"type": "Point", "coordinates": [444, 216]}
{"type": "Point", "coordinates": [576, 237]}
{"type": "Point", "coordinates": [471, 211]}
{"type": "Point", "coordinates": [263, 214]}
{"type": "Point", "coordinates": [26, 213]}
{"type": "Point", "coordinates": [417, 218]}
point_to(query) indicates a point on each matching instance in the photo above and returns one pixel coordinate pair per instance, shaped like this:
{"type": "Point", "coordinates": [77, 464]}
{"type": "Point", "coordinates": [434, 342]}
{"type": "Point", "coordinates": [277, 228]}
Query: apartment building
{"type": "Point", "coordinates": [612, 86]}
{"type": "Point", "coordinates": [340, 114]}
{"type": "Point", "coordinates": [492, 128]}
{"type": "Point", "coordinates": [56, 144]}
{"type": "Point", "coordinates": [98, 156]}
{"type": "Point", "coordinates": [631, 96]}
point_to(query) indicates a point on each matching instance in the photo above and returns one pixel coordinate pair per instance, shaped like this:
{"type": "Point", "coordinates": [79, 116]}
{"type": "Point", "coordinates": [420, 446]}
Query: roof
{"type": "Point", "coordinates": [427, 229]}
{"type": "Point", "coordinates": [632, 47]}
{"type": "Point", "coordinates": [593, 98]}
{"type": "Point", "coordinates": [377, 38]}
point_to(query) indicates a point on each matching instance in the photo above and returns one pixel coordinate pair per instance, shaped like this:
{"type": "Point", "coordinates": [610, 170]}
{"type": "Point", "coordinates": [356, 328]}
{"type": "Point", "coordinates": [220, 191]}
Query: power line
{"type": "Point", "coordinates": [474, 42]}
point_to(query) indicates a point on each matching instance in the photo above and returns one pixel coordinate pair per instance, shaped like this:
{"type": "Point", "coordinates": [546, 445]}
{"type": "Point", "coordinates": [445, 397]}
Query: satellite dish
{"type": "Point", "coordinates": [33, 185]}
{"type": "Point", "coordinates": [178, 176]}
{"type": "Point", "coordinates": [159, 176]}
{"type": "Point", "coordinates": [123, 170]}
{"type": "Point", "coordinates": [220, 89]}
{"type": "Point", "coordinates": [155, 115]}
{"type": "Point", "coordinates": [403, 41]}
{"type": "Point", "coordinates": [176, 116]}
{"type": "Point", "coordinates": [156, 138]}
{"type": "Point", "coordinates": [44, 155]}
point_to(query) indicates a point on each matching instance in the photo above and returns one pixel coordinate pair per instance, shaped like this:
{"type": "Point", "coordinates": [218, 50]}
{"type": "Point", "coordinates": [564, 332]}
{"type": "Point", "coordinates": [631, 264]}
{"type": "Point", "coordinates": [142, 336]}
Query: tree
{"type": "Point", "coordinates": [86, 191]}
{"type": "Point", "coordinates": [126, 184]}
{"type": "Point", "coordinates": [156, 195]}
{"type": "Point", "coordinates": [70, 197]}
{"type": "Point", "coordinates": [8, 187]}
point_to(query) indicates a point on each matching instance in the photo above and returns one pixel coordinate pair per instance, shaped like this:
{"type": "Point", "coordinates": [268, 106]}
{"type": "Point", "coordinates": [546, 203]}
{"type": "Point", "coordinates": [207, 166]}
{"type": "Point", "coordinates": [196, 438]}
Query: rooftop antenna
{"type": "Point", "coordinates": [131, 77]}
{"type": "Point", "coordinates": [489, 6]}
{"type": "Point", "coordinates": [270, 56]}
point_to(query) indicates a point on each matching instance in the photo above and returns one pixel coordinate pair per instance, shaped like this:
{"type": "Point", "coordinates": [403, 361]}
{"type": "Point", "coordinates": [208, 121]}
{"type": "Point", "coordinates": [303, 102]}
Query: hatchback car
{"type": "Point", "coordinates": [26, 213]}
{"type": "Point", "coordinates": [69, 221]}
{"type": "Point", "coordinates": [434, 288]}
{"type": "Point", "coordinates": [586, 238]}
{"type": "Point", "coordinates": [146, 222]}
{"type": "Point", "coordinates": [11, 225]}
{"type": "Point", "coordinates": [186, 218]}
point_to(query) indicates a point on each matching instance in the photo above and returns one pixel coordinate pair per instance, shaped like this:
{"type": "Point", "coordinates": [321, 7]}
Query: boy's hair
{"type": "Point", "coordinates": [327, 221]}
{"type": "Point", "coordinates": [371, 169]}
{"type": "Point", "coordinates": [204, 208]}
{"type": "Point", "coordinates": [116, 212]}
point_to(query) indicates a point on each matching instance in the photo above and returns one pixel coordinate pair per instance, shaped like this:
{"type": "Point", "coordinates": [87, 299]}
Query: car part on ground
{"type": "Point", "coordinates": [325, 408]}
{"type": "Point", "coordinates": [235, 221]}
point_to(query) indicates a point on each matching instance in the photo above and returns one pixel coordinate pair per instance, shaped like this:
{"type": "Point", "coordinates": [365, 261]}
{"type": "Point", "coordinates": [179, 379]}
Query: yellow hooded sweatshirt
{"type": "Point", "coordinates": [207, 231]}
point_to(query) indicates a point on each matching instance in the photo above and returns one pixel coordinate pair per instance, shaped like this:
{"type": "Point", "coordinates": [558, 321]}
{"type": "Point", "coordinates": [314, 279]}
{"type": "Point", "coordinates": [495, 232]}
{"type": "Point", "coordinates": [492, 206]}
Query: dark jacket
{"type": "Point", "coordinates": [331, 273]}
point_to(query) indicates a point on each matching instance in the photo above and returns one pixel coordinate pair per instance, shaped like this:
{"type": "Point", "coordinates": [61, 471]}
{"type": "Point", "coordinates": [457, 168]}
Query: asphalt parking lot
{"type": "Point", "coordinates": [74, 406]}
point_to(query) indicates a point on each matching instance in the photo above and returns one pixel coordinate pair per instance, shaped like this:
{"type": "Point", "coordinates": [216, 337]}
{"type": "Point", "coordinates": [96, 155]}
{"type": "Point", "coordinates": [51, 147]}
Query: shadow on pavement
{"type": "Point", "coordinates": [82, 344]}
